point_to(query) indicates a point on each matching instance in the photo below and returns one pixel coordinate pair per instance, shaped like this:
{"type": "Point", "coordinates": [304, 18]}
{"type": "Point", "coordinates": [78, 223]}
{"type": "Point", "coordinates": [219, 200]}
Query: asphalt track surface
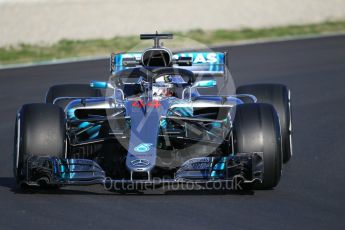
{"type": "Point", "coordinates": [311, 193]}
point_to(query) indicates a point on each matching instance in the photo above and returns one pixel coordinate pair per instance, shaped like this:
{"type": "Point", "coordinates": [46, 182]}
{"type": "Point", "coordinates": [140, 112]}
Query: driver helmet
{"type": "Point", "coordinates": [163, 87]}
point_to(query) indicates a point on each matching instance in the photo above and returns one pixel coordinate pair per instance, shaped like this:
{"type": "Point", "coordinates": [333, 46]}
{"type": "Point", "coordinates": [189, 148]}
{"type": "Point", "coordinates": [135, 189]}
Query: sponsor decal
{"type": "Point", "coordinates": [200, 58]}
{"type": "Point", "coordinates": [140, 104]}
{"type": "Point", "coordinates": [140, 162]}
{"type": "Point", "coordinates": [142, 148]}
{"type": "Point", "coordinates": [197, 57]}
{"type": "Point", "coordinates": [202, 61]}
{"type": "Point", "coordinates": [155, 104]}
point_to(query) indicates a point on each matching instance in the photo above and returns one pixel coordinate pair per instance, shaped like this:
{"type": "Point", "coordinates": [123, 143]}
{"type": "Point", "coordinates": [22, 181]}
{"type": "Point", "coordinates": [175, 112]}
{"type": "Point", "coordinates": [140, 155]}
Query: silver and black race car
{"type": "Point", "coordinates": [159, 120]}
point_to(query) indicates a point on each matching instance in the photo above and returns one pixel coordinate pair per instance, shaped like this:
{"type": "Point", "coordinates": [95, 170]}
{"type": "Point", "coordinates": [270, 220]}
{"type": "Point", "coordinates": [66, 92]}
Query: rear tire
{"type": "Point", "coordinates": [39, 131]}
{"type": "Point", "coordinates": [279, 96]}
{"type": "Point", "coordinates": [256, 129]}
{"type": "Point", "coordinates": [70, 90]}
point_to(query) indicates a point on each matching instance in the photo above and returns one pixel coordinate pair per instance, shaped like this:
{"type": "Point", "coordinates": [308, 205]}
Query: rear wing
{"type": "Point", "coordinates": [201, 62]}
{"type": "Point", "coordinates": [204, 62]}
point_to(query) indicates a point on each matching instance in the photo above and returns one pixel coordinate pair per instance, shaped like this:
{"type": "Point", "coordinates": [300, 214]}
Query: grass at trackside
{"type": "Point", "coordinates": [25, 53]}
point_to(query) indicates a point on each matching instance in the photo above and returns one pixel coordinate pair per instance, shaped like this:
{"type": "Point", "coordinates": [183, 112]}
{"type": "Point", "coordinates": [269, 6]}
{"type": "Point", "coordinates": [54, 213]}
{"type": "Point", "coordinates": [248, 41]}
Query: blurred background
{"type": "Point", "coordinates": [311, 191]}
{"type": "Point", "coordinates": [45, 23]}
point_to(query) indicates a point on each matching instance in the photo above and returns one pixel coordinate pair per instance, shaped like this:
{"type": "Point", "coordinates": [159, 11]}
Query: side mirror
{"type": "Point", "coordinates": [205, 84]}
{"type": "Point", "coordinates": [100, 85]}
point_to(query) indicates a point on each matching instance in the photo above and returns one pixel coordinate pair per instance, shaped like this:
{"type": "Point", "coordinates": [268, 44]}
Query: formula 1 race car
{"type": "Point", "coordinates": [159, 120]}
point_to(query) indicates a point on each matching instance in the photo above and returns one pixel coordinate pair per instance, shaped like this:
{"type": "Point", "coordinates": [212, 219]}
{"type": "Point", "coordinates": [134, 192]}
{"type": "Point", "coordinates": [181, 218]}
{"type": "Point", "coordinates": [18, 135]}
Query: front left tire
{"type": "Point", "coordinates": [256, 129]}
{"type": "Point", "coordinates": [279, 96]}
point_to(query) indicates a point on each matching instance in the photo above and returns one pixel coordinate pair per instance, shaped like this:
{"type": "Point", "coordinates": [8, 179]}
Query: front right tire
{"type": "Point", "coordinates": [39, 131]}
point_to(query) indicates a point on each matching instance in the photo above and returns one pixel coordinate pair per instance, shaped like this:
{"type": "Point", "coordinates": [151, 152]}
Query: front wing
{"type": "Point", "coordinates": [246, 167]}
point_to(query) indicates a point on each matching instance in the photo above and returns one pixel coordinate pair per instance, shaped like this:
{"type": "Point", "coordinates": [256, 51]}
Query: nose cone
{"type": "Point", "coordinates": [145, 123]}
